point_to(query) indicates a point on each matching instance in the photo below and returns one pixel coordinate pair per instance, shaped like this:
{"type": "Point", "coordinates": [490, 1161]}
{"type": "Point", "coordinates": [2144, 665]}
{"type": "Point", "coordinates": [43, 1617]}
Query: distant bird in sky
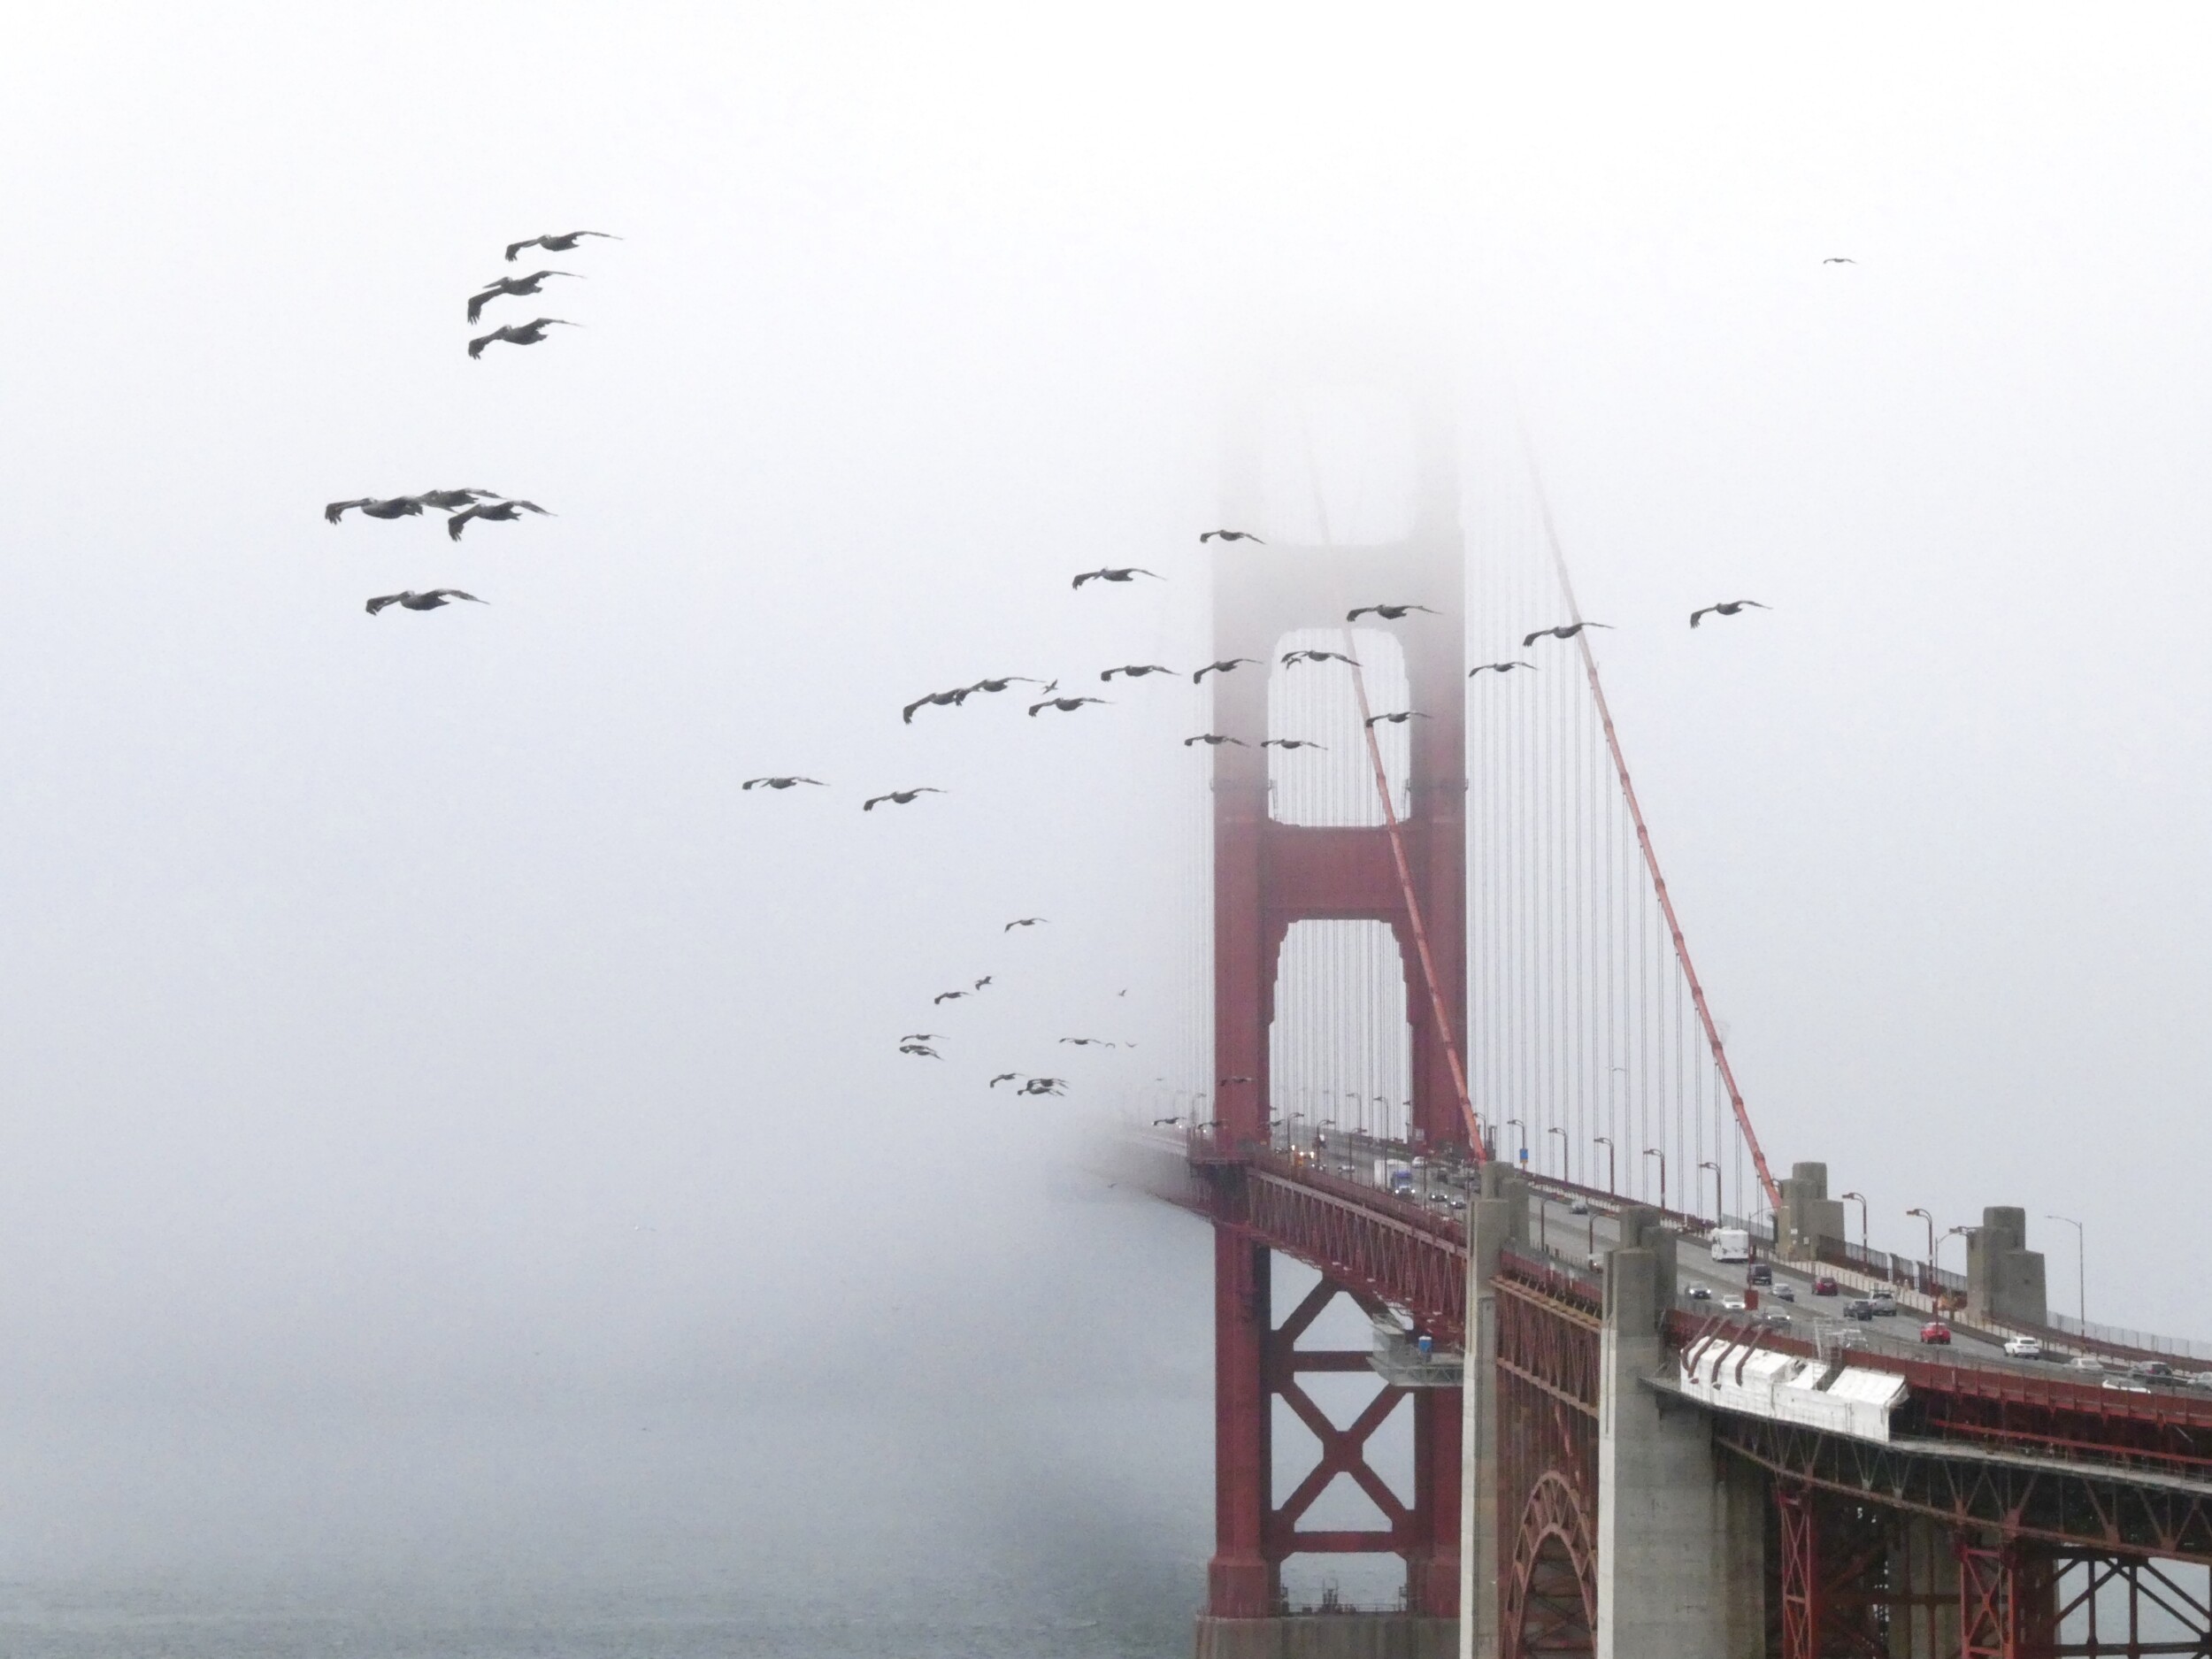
{"type": "Point", "coordinates": [919, 1048]}
{"type": "Point", "coordinates": [1005, 1077]}
{"type": "Point", "coordinates": [1214, 740]}
{"type": "Point", "coordinates": [1230, 535]}
{"type": "Point", "coordinates": [1022, 921]}
{"type": "Point", "coordinates": [1090, 1042]}
{"type": "Point", "coordinates": [452, 500]}
{"type": "Point", "coordinates": [1001, 682]}
{"type": "Point", "coordinates": [1839, 258]}
{"type": "Point", "coordinates": [897, 798]}
{"type": "Point", "coordinates": [1225, 1081]}
{"type": "Point", "coordinates": [503, 287]}
{"type": "Point", "coordinates": [1399, 718]}
{"type": "Point", "coordinates": [1134, 670]}
{"type": "Point", "coordinates": [1388, 613]}
{"type": "Point", "coordinates": [1497, 668]}
{"type": "Point", "coordinates": [951, 699]}
{"type": "Point", "coordinates": [950, 996]}
{"type": "Point", "coordinates": [561, 242]}
{"type": "Point", "coordinates": [780, 783]}
{"type": "Point", "coordinates": [1291, 659]}
{"type": "Point", "coordinates": [1728, 608]}
{"type": "Point", "coordinates": [1066, 705]}
{"type": "Point", "coordinates": [1127, 572]}
{"type": "Point", "coordinates": [1045, 1085]}
{"type": "Point", "coordinates": [984, 980]}
{"type": "Point", "coordinates": [496, 511]}
{"type": "Point", "coordinates": [1290, 742]}
{"type": "Point", "coordinates": [923, 1036]}
{"type": "Point", "coordinates": [1224, 667]}
{"type": "Point", "coordinates": [529, 333]}
{"type": "Point", "coordinates": [1565, 631]}
{"type": "Point", "coordinates": [389, 507]}
{"type": "Point", "coordinates": [1170, 1122]}
{"type": "Point", "coordinates": [433, 600]}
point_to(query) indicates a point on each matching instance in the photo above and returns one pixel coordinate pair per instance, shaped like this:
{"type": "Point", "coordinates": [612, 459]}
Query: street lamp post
{"type": "Point", "coordinates": [1929, 1219]}
{"type": "Point", "coordinates": [2081, 1270]}
{"type": "Point", "coordinates": [1653, 1152]}
{"type": "Point", "coordinates": [1520, 1146]}
{"type": "Point", "coordinates": [1863, 1250]}
{"type": "Point", "coordinates": [1607, 1142]}
{"type": "Point", "coordinates": [1708, 1164]}
{"type": "Point", "coordinates": [1566, 1168]}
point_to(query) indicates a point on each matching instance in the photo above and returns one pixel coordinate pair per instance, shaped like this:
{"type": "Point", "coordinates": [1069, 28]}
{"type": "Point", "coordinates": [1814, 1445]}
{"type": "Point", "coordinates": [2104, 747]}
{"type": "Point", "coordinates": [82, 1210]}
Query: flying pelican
{"type": "Point", "coordinates": [923, 1036]}
{"type": "Point", "coordinates": [780, 783]}
{"type": "Point", "coordinates": [1134, 670]}
{"type": "Point", "coordinates": [1021, 921]}
{"type": "Point", "coordinates": [1125, 573]}
{"type": "Point", "coordinates": [897, 798]}
{"type": "Point", "coordinates": [1090, 1042]}
{"type": "Point", "coordinates": [1388, 613]}
{"type": "Point", "coordinates": [527, 334]}
{"type": "Point", "coordinates": [390, 507]}
{"type": "Point", "coordinates": [1230, 535]}
{"type": "Point", "coordinates": [1565, 631]}
{"type": "Point", "coordinates": [1290, 742]}
{"type": "Point", "coordinates": [1399, 718]}
{"type": "Point", "coordinates": [1001, 682]}
{"type": "Point", "coordinates": [1045, 1085]}
{"type": "Point", "coordinates": [499, 511]}
{"type": "Point", "coordinates": [563, 241]}
{"type": "Point", "coordinates": [1214, 740]}
{"type": "Point", "coordinates": [1497, 668]}
{"type": "Point", "coordinates": [984, 980]}
{"type": "Point", "coordinates": [431, 601]}
{"type": "Point", "coordinates": [919, 1048]}
{"type": "Point", "coordinates": [1839, 258]}
{"type": "Point", "coordinates": [951, 699]}
{"type": "Point", "coordinates": [1223, 667]}
{"type": "Point", "coordinates": [1004, 1077]}
{"type": "Point", "coordinates": [501, 288]}
{"type": "Point", "coordinates": [1727, 610]}
{"type": "Point", "coordinates": [1291, 659]}
{"type": "Point", "coordinates": [1066, 705]}
{"type": "Point", "coordinates": [949, 996]}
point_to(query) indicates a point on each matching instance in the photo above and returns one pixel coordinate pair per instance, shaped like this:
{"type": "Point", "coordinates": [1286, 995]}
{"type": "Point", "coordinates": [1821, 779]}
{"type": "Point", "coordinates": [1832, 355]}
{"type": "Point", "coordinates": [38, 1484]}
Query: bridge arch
{"type": "Point", "coordinates": [1551, 1598]}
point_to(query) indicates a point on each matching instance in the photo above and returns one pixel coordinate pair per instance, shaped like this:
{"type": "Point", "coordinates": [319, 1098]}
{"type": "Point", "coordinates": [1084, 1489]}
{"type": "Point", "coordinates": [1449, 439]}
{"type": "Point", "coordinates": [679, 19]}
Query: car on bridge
{"type": "Point", "coordinates": [1858, 1308]}
{"type": "Point", "coordinates": [1826, 1287]}
{"type": "Point", "coordinates": [2022, 1348]}
{"type": "Point", "coordinates": [1936, 1331]}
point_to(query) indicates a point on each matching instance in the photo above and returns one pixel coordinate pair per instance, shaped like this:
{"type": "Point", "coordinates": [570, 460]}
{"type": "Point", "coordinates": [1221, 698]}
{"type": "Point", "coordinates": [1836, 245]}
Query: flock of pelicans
{"type": "Point", "coordinates": [465, 507]}
{"type": "Point", "coordinates": [1048, 695]}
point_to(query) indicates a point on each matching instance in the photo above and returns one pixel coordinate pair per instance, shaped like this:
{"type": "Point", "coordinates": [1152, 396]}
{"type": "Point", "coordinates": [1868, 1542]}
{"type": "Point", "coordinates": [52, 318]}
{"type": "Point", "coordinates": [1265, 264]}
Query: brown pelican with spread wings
{"type": "Point", "coordinates": [1127, 572]}
{"type": "Point", "coordinates": [504, 287]}
{"type": "Point", "coordinates": [560, 242]}
{"type": "Point", "coordinates": [1227, 665]}
{"type": "Point", "coordinates": [492, 512]}
{"type": "Point", "coordinates": [372, 507]}
{"type": "Point", "coordinates": [1565, 631]}
{"type": "Point", "coordinates": [897, 798]}
{"type": "Point", "coordinates": [1388, 613]}
{"type": "Point", "coordinates": [780, 783]}
{"type": "Point", "coordinates": [1066, 705]}
{"type": "Point", "coordinates": [529, 333]}
{"type": "Point", "coordinates": [431, 601]}
{"type": "Point", "coordinates": [1729, 609]}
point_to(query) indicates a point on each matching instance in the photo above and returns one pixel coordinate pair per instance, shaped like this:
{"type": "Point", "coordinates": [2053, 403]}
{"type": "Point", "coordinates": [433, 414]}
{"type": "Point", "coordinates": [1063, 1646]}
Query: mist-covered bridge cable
{"type": "Point", "coordinates": [1643, 839]}
{"type": "Point", "coordinates": [1444, 1030]}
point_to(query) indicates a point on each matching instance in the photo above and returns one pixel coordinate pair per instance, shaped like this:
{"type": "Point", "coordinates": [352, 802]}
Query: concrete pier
{"type": "Point", "coordinates": [1680, 1539]}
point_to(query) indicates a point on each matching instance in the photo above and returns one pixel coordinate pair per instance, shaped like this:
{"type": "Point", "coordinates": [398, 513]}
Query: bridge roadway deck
{"type": "Point", "coordinates": [1329, 1204]}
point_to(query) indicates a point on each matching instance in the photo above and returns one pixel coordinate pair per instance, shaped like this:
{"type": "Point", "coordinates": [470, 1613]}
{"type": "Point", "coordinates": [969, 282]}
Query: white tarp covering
{"type": "Point", "coordinates": [1728, 1373]}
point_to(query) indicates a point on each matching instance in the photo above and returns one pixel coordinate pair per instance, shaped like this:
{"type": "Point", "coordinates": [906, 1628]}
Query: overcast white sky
{"type": "Point", "coordinates": [367, 987]}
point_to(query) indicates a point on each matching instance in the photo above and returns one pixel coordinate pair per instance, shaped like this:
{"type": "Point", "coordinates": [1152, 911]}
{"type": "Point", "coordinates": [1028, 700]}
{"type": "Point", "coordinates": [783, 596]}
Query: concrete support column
{"type": "Point", "coordinates": [1670, 1553]}
{"type": "Point", "coordinates": [1499, 1214]}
